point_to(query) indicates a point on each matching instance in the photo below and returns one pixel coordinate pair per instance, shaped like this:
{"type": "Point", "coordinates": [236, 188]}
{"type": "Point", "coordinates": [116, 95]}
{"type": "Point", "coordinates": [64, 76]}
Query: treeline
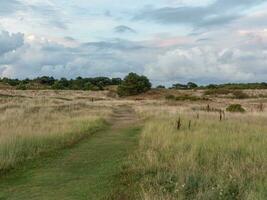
{"type": "Point", "coordinates": [237, 86]}
{"type": "Point", "coordinates": [99, 83]}
{"type": "Point", "coordinates": [46, 82]}
{"type": "Point", "coordinates": [228, 86]}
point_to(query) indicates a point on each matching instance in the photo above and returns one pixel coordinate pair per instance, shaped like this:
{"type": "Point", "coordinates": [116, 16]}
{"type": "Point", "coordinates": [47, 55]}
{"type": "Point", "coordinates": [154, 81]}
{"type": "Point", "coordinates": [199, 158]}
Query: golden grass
{"type": "Point", "coordinates": [212, 160]}
{"type": "Point", "coordinates": [32, 124]}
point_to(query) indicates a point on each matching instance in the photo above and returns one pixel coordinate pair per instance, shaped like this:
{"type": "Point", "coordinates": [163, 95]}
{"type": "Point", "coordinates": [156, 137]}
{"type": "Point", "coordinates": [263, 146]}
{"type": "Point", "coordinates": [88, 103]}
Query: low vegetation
{"type": "Point", "coordinates": [185, 97]}
{"type": "Point", "coordinates": [189, 147]}
{"type": "Point", "coordinates": [235, 108]}
{"type": "Point", "coordinates": [237, 94]}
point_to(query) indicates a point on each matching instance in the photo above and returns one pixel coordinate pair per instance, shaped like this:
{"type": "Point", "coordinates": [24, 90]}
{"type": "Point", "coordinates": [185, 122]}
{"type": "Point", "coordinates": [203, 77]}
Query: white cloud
{"type": "Point", "coordinates": [208, 64]}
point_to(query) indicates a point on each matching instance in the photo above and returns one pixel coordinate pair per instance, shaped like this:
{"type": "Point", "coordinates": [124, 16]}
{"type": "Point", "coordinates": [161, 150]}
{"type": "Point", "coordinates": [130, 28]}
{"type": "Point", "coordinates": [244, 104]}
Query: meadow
{"type": "Point", "coordinates": [33, 123]}
{"type": "Point", "coordinates": [179, 149]}
{"type": "Point", "coordinates": [211, 159]}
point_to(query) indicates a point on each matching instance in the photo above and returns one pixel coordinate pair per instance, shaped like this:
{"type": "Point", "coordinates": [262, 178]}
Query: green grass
{"type": "Point", "coordinates": [17, 148]}
{"type": "Point", "coordinates": [87, 171]}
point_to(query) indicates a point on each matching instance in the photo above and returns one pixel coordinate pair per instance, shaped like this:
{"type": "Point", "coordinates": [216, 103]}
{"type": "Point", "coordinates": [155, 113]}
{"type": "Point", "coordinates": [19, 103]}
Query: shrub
{"type": "Point", "coordinates": [218, 92]}
{"type": "Point", "coordinates": [170, 97]}
{"type": "Point", "coordinates": [190, 98]}
{"type": "Point", "coordinates": [235, 108]}
{"type": "Point", "coordinates": [21, 86]}
{"type": "Point", "coordinates": [240, 94]}
{"type": "Point", "coordinates": [134, 84]}
{"type": "Point", "coordinates": [160, 87]}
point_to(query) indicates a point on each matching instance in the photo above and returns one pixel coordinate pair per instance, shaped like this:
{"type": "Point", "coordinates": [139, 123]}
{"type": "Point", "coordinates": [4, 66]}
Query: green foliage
{"type": "Point", "coordinates": [134, 84]}
{"type": "Point", "coordinates": [185, 97]}
{"type": "Point", "coordinates": [58, 86]}
{"type": "Point", "coordinates": [160, 87]}
{"type": "Point", "coordinates": [189, 85]}
{"type": "Point", "coordinates": [170, 97]}
{"type": "Point", "coordinates": [97, 83]}
{"type": "Point", "coordinates": [192, 85]}
{"type": "Point", "coordinates": [21, 86]}
{"type": "Point", "coordinates": [235, 108]}
{"type": "Point", "coordinates": [240, 94]}
{"type": "Point", "coordinates": [237, 86]}
{"type": "Point", "coordinates": [190, 98]}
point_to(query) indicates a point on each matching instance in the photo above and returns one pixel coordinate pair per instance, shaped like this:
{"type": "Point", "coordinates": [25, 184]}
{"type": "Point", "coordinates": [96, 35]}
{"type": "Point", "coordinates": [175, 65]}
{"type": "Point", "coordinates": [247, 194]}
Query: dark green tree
{"type": "Point", "coordinates": [134, 84]}
{"type": "Point", "coordinates": [191, 85]}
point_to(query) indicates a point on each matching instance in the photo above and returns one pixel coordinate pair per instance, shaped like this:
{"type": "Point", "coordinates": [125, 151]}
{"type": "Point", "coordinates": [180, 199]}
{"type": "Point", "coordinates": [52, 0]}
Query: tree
{"type": "Point", "coordinates": [191, 85]}
{"type": "Point", "coordinates": [160, 87]}
{"type": "Point", "coordinates": [179, 86]}
{"type": "Point", "coordinates": [134, 84]}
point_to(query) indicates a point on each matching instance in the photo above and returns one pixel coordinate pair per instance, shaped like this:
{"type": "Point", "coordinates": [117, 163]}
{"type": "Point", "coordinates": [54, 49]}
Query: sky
{"type": "Point", "coordinates": [170, 41]}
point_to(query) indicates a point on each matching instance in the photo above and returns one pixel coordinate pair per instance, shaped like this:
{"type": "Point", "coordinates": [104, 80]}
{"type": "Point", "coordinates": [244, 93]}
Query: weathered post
{"type": "Point", "coordinates": [261, 107]}
{"type": "Point", "coordinates": [220, 114]}
{"type": "Point", "coordinates": [189, 125]}
{"type": "Point", "coordinates": [208, 107]}
{"type": "Point", "coordinates": [179, 124]}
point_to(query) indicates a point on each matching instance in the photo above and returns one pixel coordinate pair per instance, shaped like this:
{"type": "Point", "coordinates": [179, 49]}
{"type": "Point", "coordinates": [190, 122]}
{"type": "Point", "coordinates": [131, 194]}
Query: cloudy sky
{"type": "Point", "coordinates": [205, 41]}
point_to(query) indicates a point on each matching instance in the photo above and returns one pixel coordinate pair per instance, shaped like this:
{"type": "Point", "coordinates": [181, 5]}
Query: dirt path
{"type": "Point", "coordinates": [86, 171]}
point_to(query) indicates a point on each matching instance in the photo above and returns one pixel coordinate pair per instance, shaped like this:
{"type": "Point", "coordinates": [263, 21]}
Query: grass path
{"type": "Point", "coordinates": [86, 171]}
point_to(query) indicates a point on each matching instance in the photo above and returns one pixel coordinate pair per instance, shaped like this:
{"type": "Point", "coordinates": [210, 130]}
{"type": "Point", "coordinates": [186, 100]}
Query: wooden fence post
{"type": "Point", "coordinates": [179, 124]}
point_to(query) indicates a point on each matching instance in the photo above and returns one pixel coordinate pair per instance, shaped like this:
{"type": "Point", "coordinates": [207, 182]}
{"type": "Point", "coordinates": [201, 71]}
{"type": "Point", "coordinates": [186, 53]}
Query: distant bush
{"type": "Point", "coordinates": [188, 86]}
{"type": "Point", "coordinates": [160, 87]}
{"type": "Point", "coordinates": [21, 86]}
{"type": "Point", "coordinates": [134, 84]}
{"type": "Point", "coordinates": [218, 92]}
{"type": "Point", "coordinates": [185, 98]}
{"type": "Point", "coordinates": [235, 108]}
{"type": "Point", "coordinates": [238, 94]}
{"type": "Point", "coordinates": [170, 97]}
{"type": "Point", "coordinates": [190, 98]}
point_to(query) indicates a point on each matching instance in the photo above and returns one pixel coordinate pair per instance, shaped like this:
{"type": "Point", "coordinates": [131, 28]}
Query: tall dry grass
{"type": "Point", "coordinates": [32, 126]}
{"type": "Point", "coordinates": [211, 160]}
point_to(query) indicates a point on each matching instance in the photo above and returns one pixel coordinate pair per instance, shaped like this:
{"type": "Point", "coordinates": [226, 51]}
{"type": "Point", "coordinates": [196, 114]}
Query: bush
{"type": "Point", "coordinates": [235, 108]}
{"type": "Point", "coordinates": [218, 92]}
{"type": "Point", "coordinates": [190, 98]}
{"type": "Point", "coordinates": [160, 87]}
{"type": "Point", "coordinates": [21, 86]}
{"type": "Point", "coordinates": [134, 84]}
{"type": "Point", "coordinates": [170, 97]}
{"type": "Point", "coordinates": [240, 95]}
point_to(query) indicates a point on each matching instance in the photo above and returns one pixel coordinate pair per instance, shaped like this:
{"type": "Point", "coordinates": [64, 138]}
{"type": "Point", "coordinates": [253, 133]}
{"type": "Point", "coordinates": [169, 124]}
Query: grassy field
{"type": "Point", "coordinates": [211, 159]}
{"type": "Point", "coordinates": [30, 126]}
{"type": "Point", "coordinates": [73, 144]}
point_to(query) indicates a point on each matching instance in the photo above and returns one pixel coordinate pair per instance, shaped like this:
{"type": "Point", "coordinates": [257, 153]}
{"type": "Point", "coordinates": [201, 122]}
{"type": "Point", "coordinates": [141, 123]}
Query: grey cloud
{"type": "Point", "coordinates": [115, 44]}
{"type": "Point", "coordinates": [217, 13]}
{"type": "Point", "coordinates": [8, 7]}
{"type": "Point", "coordinates": [50, 15]}
{"type": "Point", "coordinates": [68, 38]}
{"type": "Point", "coordinates": [124, 29]}
{"type": "Point", "coordinates": [9, 42]}
{"type": "Point", "coordinates": [112, 58]}
{"type": "Point", "coordinates": [203, 40]}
